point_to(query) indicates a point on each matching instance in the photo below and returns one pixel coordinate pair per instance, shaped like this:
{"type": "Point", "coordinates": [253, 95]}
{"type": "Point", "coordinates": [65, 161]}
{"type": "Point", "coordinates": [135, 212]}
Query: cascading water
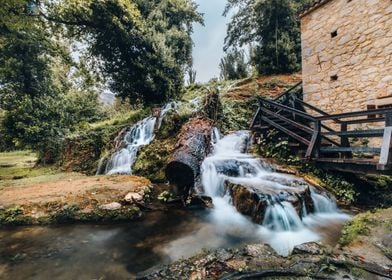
{"type": "Point", "coordinates": [141, 134]}
{"type": "Point", "coordinates": [282, 226]}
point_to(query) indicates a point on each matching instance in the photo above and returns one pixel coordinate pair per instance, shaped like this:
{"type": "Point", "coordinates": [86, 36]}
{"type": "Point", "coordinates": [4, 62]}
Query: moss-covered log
{"type": "Point", "coordinates": [193, 145]}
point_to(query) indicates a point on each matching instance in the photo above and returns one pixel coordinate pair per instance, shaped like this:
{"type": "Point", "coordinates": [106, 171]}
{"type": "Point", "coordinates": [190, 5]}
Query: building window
{"type": "Point", "coordinates": [334, 78]}
{"type": "Point", "coordinates": [334, 34]}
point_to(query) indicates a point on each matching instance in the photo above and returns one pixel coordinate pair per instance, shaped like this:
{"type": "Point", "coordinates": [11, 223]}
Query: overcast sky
{"type": "Point", "coordinates": [208, 39]}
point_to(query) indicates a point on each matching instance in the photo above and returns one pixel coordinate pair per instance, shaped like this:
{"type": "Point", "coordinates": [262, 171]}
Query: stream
{"type": "Point", "coordinates": [121, 251]}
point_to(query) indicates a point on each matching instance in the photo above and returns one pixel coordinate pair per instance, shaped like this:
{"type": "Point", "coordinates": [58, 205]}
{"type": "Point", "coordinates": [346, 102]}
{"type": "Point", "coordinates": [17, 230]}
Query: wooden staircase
{"type": "Point", "coordinates": [324, 138]}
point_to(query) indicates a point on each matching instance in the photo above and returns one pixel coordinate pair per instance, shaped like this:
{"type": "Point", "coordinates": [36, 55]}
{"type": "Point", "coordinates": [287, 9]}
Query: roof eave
{"type": "Point", "coordinates": [315, 6]}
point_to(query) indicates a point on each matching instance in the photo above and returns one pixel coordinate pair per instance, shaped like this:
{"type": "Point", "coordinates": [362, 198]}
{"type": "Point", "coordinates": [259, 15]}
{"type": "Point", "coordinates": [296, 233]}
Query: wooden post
{"type": "Point", "coordinates": [344, 140]}
{"type": "Point", "coordinates": [314, 145]}
{"type": "Point", "coordinates": [386, 155]}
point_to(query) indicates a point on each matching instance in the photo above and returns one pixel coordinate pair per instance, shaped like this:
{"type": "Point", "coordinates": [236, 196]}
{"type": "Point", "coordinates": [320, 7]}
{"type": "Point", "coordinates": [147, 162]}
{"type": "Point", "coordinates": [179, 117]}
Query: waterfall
{"type": "Point", "coordinates": [282, 226]}
{"type": "Point", "coordinates": [141, 134]}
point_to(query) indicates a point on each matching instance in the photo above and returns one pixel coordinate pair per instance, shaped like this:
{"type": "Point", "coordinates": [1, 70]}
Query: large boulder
{"type": "Point", "coordinates": [253, 201]}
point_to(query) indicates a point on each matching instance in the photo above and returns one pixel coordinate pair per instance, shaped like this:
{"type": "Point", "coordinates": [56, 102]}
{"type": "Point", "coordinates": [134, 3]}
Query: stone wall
{"type": "Point", "coordinates": [347, 55]}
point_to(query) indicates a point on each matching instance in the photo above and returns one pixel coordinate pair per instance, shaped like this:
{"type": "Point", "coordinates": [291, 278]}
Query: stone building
{"type": "Point", "coordinates": [347, 54]}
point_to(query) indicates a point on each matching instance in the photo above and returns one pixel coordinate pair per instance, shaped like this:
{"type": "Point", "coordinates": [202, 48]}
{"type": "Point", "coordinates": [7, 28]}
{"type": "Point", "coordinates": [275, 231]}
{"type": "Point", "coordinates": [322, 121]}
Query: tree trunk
{"type": "Point", "coordinates": [193, 145]}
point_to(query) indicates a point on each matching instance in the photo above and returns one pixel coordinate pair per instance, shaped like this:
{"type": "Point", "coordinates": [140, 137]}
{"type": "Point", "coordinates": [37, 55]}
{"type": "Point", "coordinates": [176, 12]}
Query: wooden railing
{"type": "Point", "coordinates": [325, 134]}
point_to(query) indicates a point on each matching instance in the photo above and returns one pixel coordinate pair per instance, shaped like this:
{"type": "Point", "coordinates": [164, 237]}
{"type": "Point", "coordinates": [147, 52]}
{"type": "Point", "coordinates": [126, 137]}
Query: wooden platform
{"type": "Point", "coordinates": [323, 143]}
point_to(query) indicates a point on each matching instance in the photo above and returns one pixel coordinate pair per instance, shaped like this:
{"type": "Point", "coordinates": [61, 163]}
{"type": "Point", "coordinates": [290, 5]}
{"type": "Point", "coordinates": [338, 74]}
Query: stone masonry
{"type": "Point", "coordinates": [347, 55]}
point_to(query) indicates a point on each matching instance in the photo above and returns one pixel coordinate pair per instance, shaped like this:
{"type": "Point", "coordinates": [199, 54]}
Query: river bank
{"type": "Point", "coordinates": [39, 197]}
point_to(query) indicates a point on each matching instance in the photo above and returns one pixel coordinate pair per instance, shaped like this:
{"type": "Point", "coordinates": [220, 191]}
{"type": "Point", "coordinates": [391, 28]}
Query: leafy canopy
{"type": "Point", "coordinates": [271, 28]}
{"type": "Point", "coordinates": [144, 45]}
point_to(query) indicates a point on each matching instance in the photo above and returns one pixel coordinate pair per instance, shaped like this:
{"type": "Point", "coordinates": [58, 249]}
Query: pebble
{"type": "Point", "coordinates": [111, 206]}
{"type": "Point", "coordinates": [130, 197]}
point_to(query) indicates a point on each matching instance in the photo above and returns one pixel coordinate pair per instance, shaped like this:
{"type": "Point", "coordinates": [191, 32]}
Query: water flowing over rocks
{"type": "Point", "coordinates": [192, 147]}
{"type": "Point", "coordinates": [253, 201]}
{"type": "Point", "coordinates": [129, 141]}
{"type": "Point", "coordinates": [285, 207]}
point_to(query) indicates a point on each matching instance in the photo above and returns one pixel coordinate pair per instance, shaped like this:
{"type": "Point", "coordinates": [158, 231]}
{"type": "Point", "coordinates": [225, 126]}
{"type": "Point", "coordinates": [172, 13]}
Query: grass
{"type": "Point", "coordinates": [122, 118]}
{"type": "Point", "coordinates": [19, 166]}
{"type": "Point", "coordinates": [17, 158]}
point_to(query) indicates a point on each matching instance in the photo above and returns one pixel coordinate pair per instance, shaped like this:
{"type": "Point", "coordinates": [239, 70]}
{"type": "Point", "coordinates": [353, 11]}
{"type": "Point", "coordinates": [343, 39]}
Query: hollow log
{"type": "Point", "coordinates": [193, 145]}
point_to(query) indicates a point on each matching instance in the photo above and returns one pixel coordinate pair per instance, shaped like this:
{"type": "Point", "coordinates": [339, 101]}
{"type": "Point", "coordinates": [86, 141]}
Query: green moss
{"type": "Point", "coordinates": [14, 216]}
{"type": "Point", "coordinates": [152, 159]}
{"type": "Point", "coordinates": [67, 214]}
{"type": "Point", "coordinates": [359, 225]}
{"type": "Point", "coordinates": [100, 215]}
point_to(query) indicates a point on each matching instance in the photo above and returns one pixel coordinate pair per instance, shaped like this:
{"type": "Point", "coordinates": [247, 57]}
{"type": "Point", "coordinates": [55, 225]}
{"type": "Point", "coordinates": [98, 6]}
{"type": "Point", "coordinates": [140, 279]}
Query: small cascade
{"type": "Point", "coordinates": [282, 224]}
{"type": "Point", "coordinates": [141, 134]}
{"type": "Point", "coordinates": [281, 216]}
{"type": "Point", "coordinates": [323, 204]}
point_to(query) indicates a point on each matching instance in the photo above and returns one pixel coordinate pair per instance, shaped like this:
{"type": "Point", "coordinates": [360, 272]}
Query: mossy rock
{"type": "Point", "coordinates": [152, 159]}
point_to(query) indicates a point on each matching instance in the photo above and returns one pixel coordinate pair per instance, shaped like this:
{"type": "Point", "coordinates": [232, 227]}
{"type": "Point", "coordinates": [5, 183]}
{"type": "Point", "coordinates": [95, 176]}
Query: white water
{"type": "Point", "coordinates": [141, 134]}
{"type": "Point", "coordinates": [282, 227]}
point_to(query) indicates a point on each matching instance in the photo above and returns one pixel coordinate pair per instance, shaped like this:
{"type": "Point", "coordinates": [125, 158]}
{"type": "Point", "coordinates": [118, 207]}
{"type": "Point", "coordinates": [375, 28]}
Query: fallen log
{"type": "Point", "coordinates": [193, 145]}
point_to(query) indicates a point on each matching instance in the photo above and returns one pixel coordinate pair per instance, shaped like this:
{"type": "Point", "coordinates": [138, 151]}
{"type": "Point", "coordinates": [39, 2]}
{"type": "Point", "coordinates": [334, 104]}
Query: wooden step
{"type": "Point", "coordinates": [349, 150]}
{"type": "Point", "coordinates": [358, 133]}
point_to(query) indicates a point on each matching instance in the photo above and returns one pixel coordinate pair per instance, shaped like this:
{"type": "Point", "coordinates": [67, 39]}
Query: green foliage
{"type": "Point", "coordinates": [144, 45]}
{"type": "Point", "coordinates": [273, 146]}
{"type": "Point", "coordinates": [233, 66]}
{"type": "Point", "coordinates": [39, 105]}
{"type": "Point", "coordinates": [236, 114]}
{"type": "Point", "coordinates": [343, 190]}
{"type": "Point", "coordinates": [359, 225]}
{"type": "Point", "coordinates": [165, 196]}
{"type": "Point", "coordinates": [272, 28]}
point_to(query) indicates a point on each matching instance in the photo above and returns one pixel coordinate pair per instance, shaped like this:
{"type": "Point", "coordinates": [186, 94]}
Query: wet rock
{"type": "Point", "coordinates": [132, 196]}
{"type": "Point", "coordinates": [223, 255]}
{"type": "Point", "coordinates": [111, 206]}
{"type": "Point", "coordinates": [387, 241]}
{"type": "Point", "coordinates": [257, 250]}
{"type": "Point", "coordinates": [311, 248]}
{"type": "Point", "coordinates": [253, 201]}
{"type": "Point", "coordinates": [199, 201]}
{"type": "Point", "coordinates": [230, 167]}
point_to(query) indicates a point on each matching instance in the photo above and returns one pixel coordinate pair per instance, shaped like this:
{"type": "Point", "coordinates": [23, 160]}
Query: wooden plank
{"type": "Point", "coordinates": [314, 142]}
{"type": "Point", "coordinates": [350, 149]}
{"type": "Point", "coordinates": [348, 160]}
{"type": "Point", "coordinates": [287, 91]}
{"type": "Point", "coordinates": [255, 118]}
{"type": "Point", "coordinates": [386, 155]}
{"type": "Point", "coordinates": [287, 131]}
{"type": "Point", "coordinates": [321, 112]}
{"type": "Point", "coordinates": [372, 120]}
{"type": "Point", "coordinates": [357, 133]}
{"type": "Point", "coordinates": [291, 122]}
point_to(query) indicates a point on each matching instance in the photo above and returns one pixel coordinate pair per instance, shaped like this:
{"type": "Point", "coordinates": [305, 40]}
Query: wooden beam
{"type": "Point", "coordinates": [287, 131]}
{"type": "Point", "coordinates": [357, 133]}
{"type": "Point", "coordinates": [350, 149]}
{"type": "Point", "coordinates": [314, 142]}
{"type": "Point", "coordinates": [291, 122]}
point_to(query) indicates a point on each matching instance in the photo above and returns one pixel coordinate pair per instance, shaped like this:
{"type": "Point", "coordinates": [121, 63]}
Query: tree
{"type": "Point", "coordinates": [233, 66]}
{"type": "Point", "coordinates": [144, 45]}
{"type": "Point", "coordinates": [272, 28]}
{"type": "Point", "coordinates": [36, 98]}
